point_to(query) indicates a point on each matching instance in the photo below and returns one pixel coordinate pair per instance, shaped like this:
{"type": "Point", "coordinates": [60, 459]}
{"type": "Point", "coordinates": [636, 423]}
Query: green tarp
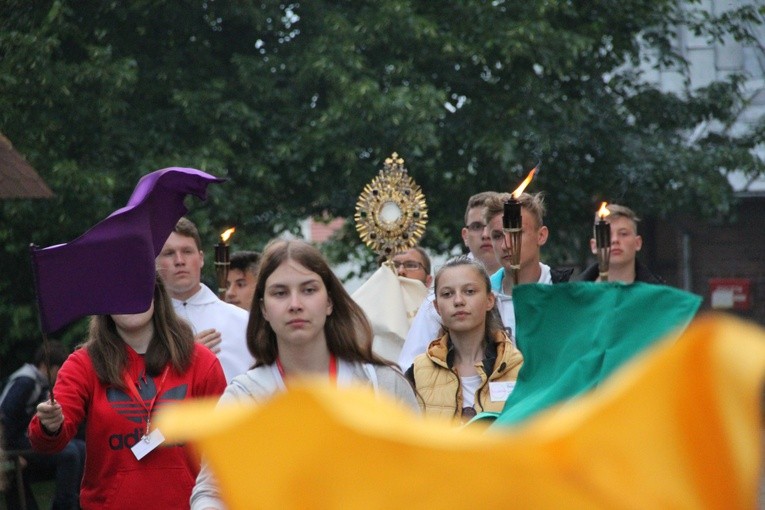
{"type": "Point", "coordinates": [574, 335]}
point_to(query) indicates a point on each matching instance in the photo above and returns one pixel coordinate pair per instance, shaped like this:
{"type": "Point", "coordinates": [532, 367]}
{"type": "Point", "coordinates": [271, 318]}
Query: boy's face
{"type": "Point", "coordinates": [476, 239]}
{"type": "Point", "coordinates": [179, 264]}
{"type": "Point", "coordinates": [240, 288]}
{"type": "Point", "coordinates": [531, 239]}
{"type": "Point", "coordinates": [625, 242]}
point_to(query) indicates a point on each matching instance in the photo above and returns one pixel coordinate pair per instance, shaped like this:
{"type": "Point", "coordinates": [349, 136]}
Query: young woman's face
{"type": "Point", "coordinates": [134, 322]}
{"type": "Point", "coordinates": [462, 299]}
{"type": "Point", "coordinates": [296, 304]}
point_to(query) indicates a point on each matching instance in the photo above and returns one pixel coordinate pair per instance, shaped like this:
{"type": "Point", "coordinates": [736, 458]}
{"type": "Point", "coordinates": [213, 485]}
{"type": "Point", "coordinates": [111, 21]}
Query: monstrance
{"type": "Point", "coordinates": [391, 212]}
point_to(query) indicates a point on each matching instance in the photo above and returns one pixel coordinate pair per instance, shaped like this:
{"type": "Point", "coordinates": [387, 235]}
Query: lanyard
{"type": "Point", "coordinates": [332, 368]}
{"type": "Point", "coordinates": [137, 397]}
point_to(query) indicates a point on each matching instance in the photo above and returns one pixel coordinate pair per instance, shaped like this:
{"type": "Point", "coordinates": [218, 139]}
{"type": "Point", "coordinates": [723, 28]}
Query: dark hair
{"type": "Point", "coordinates": [186, 227]}
{"type": "Point", "coordinates": [52, 354]}
{"type": "Point", "coordinates": [425, 257]}
{"type": "Point", "coordinates": [347, 330]}
{"type": "Point", "coordinates": [426, 264]}
{"type": "Point", "coordinates": [173, 342]}
{"type": "Point", "coordinates": [244, 261]}
{"type": "Point", "coordinates": [493, 320]}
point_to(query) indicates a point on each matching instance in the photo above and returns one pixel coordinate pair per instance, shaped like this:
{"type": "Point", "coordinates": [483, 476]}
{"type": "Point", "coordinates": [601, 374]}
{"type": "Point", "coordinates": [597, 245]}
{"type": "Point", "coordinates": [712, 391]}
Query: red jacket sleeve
{"type": "Point", "coordinates": [72, 391]}
{"type": "Point", "coordinates": [209, 380]}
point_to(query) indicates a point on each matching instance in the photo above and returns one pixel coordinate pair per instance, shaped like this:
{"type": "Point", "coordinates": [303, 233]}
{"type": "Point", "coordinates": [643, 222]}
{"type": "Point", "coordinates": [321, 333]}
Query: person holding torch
{"type": "Point", "coordinates": [623, 265]}
{"type": "Point", "coordinates": [534, 235]}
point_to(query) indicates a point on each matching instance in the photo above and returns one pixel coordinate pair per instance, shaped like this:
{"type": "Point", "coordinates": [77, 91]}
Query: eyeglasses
{"type": "Point", "coordinates": [476, 226]}
{"type": "Point", "coordinates": [412, 265]}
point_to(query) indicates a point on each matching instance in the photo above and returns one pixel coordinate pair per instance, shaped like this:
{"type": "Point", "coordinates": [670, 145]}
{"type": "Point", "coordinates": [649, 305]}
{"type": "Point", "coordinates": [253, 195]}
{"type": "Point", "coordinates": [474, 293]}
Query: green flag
{"type": "Point", "coordinates": [574, 335]}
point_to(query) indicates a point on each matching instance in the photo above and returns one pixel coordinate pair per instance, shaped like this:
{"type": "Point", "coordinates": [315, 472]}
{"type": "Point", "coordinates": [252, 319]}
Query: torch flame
{"type": "Point", "coordinates": [225, 235]}
{"type": "Point", "coordinates": [603, 211]}
{"type": "Point", "coordinates": [525, 183]}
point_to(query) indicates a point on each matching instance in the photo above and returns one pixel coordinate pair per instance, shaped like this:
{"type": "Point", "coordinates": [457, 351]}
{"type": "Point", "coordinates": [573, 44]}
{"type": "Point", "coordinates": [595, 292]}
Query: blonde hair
{"type": "Point", "coordinates": [621, 211]}
{"type": "Point", "coordinates": [533, 203]}
{"type": "Point", "coordinates": [478, 200]}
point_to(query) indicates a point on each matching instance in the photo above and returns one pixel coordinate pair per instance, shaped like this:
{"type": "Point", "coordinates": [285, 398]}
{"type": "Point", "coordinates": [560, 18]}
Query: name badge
{"type": "Point", "coordinates": [500, 390]}
{"type": "Point", "coordinates": [148, 443]}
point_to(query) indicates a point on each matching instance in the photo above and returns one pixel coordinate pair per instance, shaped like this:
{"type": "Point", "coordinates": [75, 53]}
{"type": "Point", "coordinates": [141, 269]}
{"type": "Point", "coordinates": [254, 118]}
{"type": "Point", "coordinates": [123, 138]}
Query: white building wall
{"type": "Point", "coordinates": [710, 61]}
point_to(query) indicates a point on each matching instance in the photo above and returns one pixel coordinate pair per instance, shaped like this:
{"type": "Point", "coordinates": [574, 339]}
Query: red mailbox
{"type": "Point", "coordinates": [727, 293]}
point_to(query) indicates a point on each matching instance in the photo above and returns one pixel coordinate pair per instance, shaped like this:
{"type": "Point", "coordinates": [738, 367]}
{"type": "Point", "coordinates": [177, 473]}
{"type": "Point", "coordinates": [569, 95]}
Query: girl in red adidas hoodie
{"type": "Point", "coordinates": [130, 367]}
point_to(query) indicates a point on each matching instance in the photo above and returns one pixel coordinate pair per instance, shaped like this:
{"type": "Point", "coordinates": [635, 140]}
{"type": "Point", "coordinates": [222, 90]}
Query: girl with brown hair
{"type": "Point", "coordinates": [473, 366]}
{"type": "Point", "coordinates": [304, 323]}
{"type": "Point", "coordinates": [130, 367]}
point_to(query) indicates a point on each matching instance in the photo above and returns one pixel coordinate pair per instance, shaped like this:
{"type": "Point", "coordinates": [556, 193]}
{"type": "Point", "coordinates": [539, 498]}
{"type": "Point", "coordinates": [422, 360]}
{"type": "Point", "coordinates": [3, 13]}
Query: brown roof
{"type": "Point", "coordinates": [17, 177]}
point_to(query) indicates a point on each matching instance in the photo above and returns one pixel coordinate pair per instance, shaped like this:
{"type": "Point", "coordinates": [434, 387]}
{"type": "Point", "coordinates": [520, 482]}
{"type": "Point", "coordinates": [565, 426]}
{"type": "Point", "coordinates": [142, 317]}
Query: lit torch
{"type": "Point", "coordinates": [511, 225]}
{"type": "Point", "coordinates": [602, 235]}
{"type": "Point", "coordinates": [222, 261]}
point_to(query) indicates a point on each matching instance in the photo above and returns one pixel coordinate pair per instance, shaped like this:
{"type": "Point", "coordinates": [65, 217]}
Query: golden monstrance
{"type": "Point", "coordinates": [391, 212]}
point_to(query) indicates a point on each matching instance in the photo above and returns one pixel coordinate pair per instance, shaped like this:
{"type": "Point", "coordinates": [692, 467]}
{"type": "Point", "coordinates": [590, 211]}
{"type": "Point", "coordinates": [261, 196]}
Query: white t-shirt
{"type": "Point", "coordinates": [469, 385]}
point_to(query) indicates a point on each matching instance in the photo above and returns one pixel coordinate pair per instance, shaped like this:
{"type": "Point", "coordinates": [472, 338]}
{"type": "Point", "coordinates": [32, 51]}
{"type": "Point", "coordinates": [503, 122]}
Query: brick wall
{"type": "Point", "coordinates": [686, 251]}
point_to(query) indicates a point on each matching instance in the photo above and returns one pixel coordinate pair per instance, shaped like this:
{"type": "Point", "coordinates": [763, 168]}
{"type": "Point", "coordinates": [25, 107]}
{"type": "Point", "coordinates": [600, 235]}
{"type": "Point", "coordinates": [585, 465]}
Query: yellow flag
{"type": "Point", "coordinates": [678, 427]}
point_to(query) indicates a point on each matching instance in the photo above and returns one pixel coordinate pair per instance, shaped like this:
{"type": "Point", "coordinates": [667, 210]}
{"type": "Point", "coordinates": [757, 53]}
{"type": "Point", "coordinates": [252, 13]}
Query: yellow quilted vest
{"type": "Point", "coordinates": [438, 385]}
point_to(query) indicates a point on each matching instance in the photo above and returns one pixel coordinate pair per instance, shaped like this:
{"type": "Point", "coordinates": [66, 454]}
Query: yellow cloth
{"type": "Point", "coordinates": [390, 302]}
{"type": "Point", "coordinates": [678, 427]}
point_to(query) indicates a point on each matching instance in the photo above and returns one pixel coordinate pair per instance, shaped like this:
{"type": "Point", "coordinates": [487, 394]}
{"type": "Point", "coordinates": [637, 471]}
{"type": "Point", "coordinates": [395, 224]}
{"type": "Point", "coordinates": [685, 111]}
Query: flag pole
{"type": "Point", "coordinates": [46, 344]}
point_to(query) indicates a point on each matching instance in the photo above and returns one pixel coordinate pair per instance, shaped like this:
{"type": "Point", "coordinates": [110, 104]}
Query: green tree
{"type": "Point", "coordinates": [297, 104]}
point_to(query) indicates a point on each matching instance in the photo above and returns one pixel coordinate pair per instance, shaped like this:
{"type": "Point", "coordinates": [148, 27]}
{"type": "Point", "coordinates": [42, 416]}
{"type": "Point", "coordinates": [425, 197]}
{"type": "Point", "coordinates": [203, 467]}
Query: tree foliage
{"type": "Point", "coordinates": [297, 104]}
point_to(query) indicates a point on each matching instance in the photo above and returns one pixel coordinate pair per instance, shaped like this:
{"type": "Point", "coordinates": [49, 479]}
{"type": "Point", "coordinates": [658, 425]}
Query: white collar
{"type": "Point", "coordinates": [204, 296]}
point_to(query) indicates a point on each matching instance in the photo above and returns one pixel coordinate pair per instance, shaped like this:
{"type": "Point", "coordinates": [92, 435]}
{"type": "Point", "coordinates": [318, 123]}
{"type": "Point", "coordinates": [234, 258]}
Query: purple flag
{"type": "Point", "coordinates": [110, 269]}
